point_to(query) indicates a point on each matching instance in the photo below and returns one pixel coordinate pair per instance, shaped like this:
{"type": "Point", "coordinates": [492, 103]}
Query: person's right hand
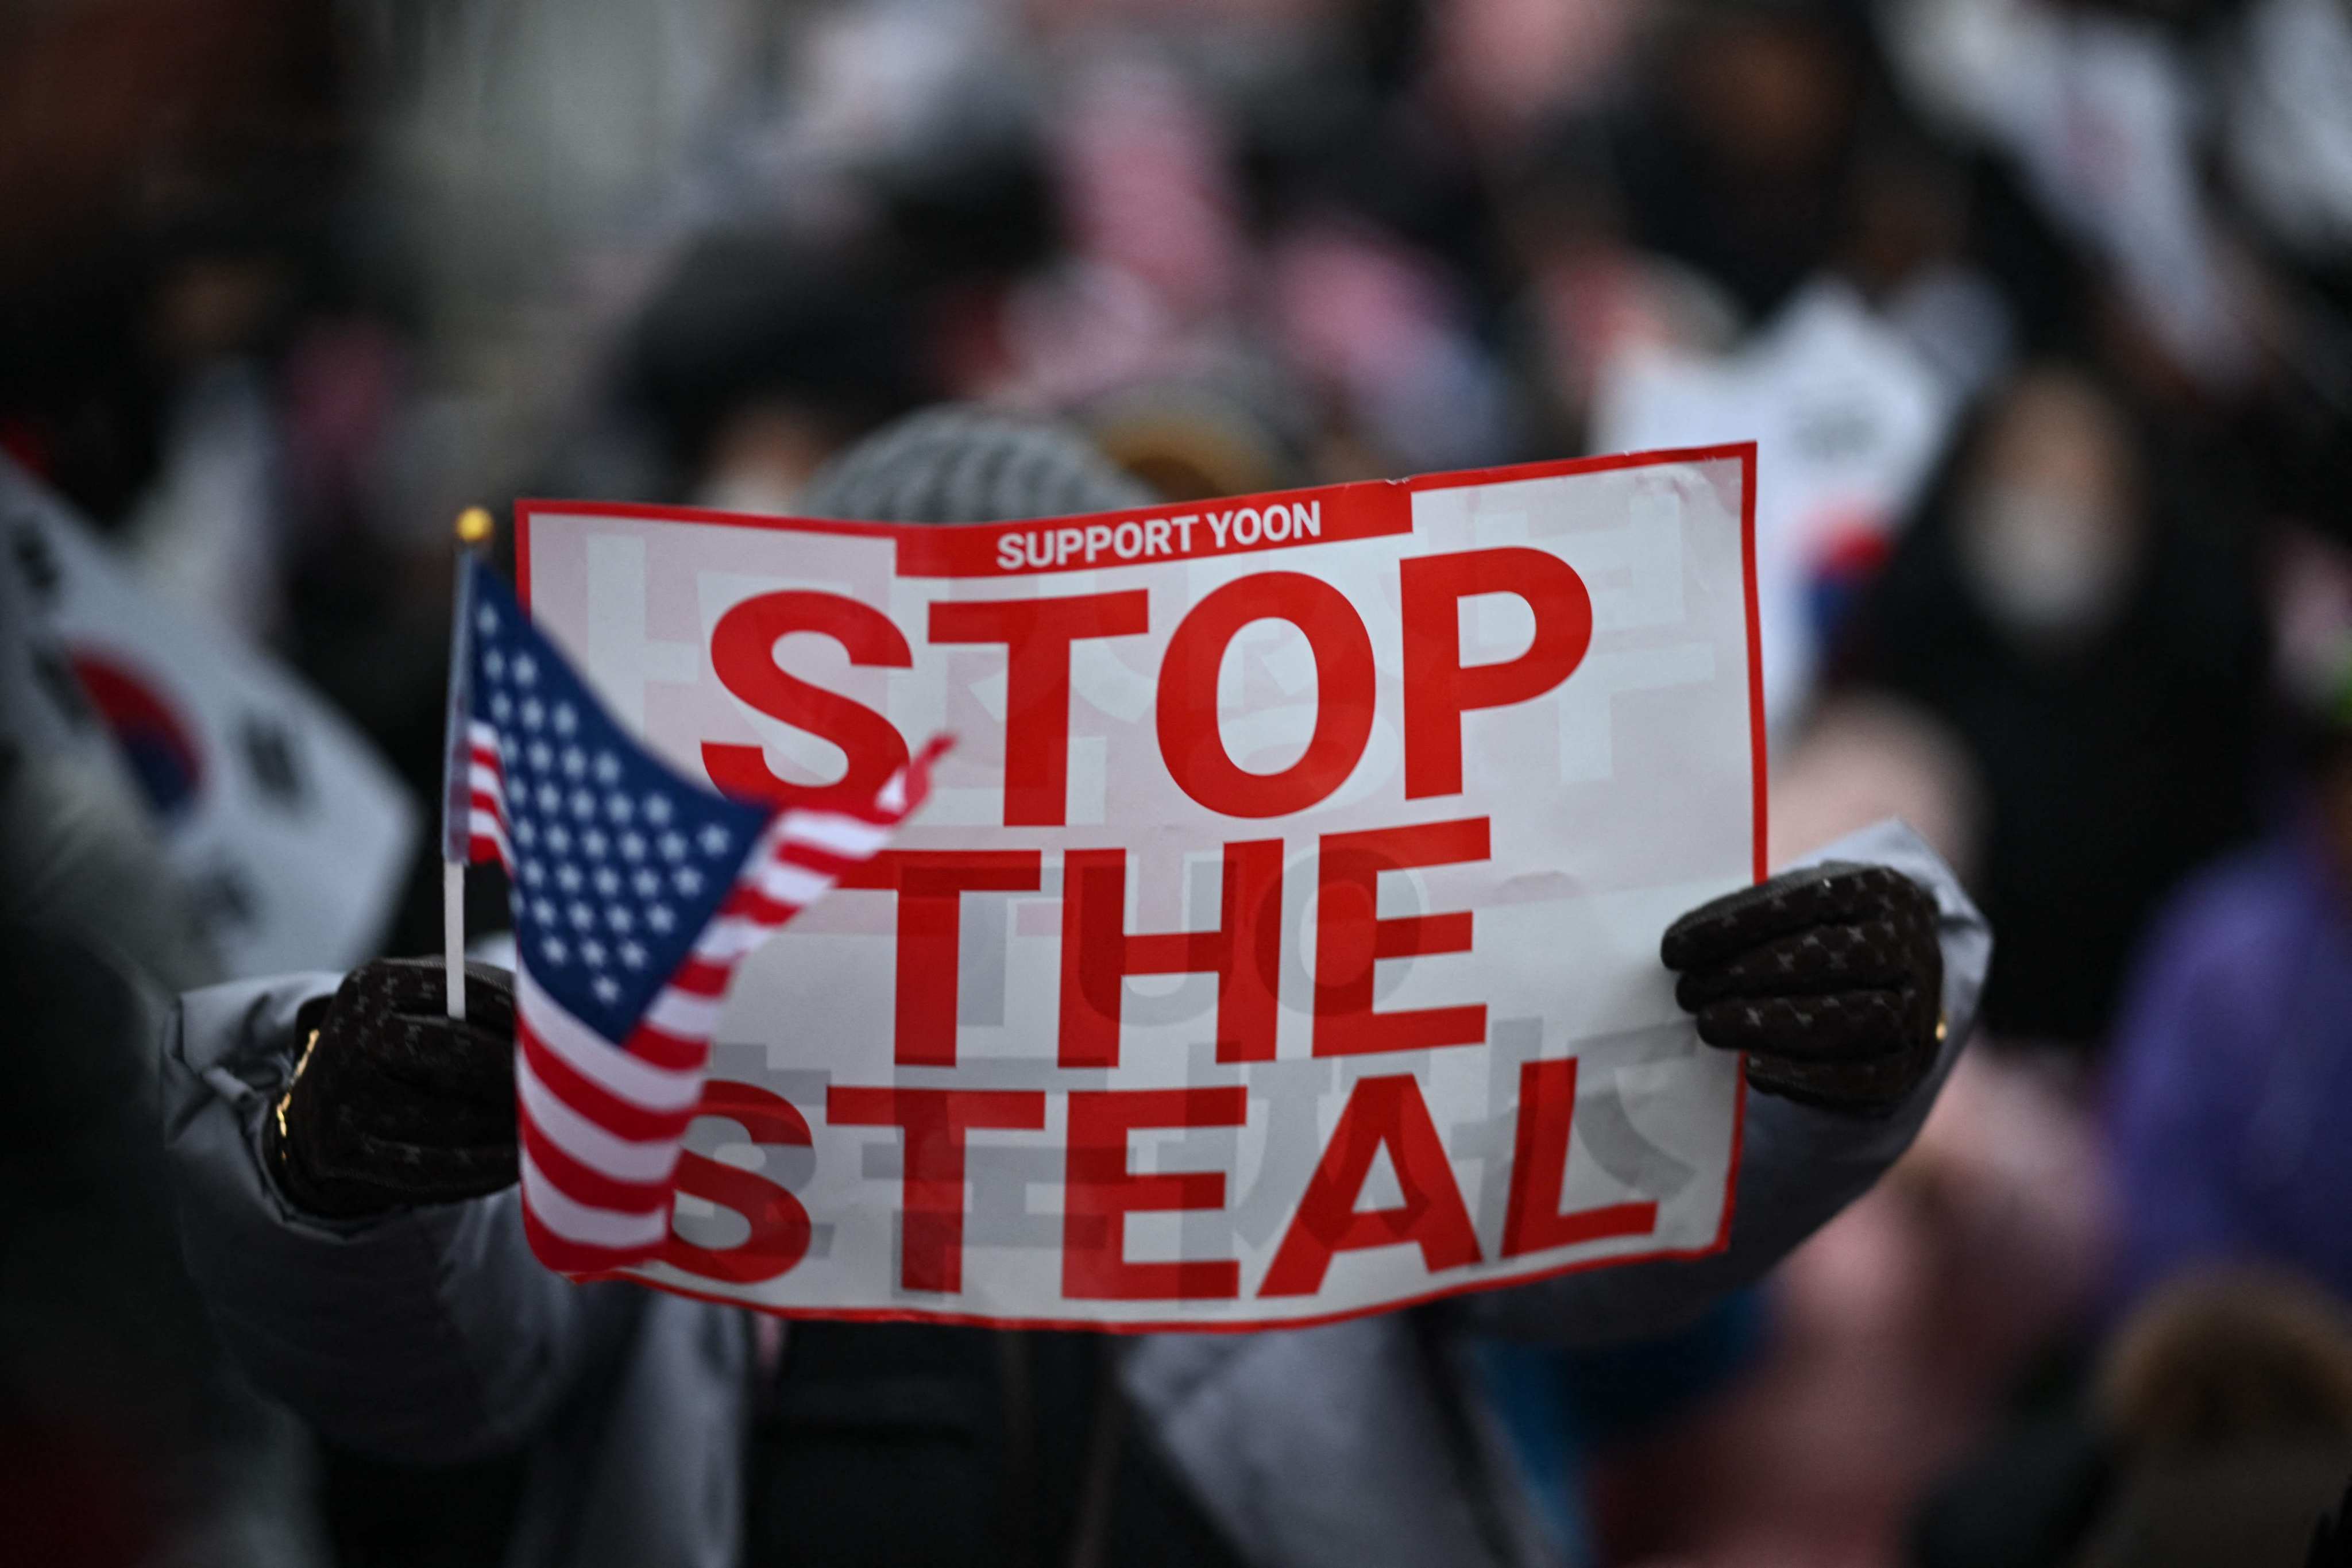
{"type": "Point", "coordinates": [393, 1104]}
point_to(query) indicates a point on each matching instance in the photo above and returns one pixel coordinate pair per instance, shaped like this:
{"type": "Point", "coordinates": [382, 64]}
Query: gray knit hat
{"type": "Point", "coordinates": [961, 462]}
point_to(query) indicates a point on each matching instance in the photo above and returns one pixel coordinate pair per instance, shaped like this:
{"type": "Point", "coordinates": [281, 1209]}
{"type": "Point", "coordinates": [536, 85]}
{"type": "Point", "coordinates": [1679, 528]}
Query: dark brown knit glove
{"type": "Point", "coordinates": [394, 1105]}
{"type": "Point", "coordinates": [1828, 978]}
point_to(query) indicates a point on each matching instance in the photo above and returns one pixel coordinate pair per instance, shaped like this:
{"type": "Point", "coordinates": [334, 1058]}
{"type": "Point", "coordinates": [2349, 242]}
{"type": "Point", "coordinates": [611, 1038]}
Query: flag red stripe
{"type": "Point", "coordinates": [816, 857]}
{"type": "Point", "coordinates": [566, 1257]}
{"type": "Point", "coordinates": [700, 977]}
{"type": "Point", "coordinates": [663, 1050]}
{"type": "Point", "coordinates": [621, 1118]}
{"type": "Point", "coordinates": [584, 1184]}
{"type": "Point", "coordinates": [754, 905]}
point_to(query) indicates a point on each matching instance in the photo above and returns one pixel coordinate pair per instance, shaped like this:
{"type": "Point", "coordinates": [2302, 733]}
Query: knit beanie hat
{"type": "Point", "coordinates": [966, 463]}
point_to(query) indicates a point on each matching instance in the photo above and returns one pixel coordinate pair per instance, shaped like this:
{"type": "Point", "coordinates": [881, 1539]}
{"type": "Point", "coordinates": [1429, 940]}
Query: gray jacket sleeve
{"type": "Point", "coordinates": [427, 1334]}
{"type": "Point", "coordinates": [1799, 1164]}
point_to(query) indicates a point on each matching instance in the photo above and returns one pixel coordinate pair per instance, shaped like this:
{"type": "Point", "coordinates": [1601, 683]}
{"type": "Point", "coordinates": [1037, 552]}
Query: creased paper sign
{"type": "Point", "coordinates": [1280, 941]}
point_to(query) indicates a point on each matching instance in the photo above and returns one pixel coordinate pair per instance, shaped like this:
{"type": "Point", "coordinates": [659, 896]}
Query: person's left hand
{"type": "Point", "coordinates": [394, 1103]}
{"type": "Point", "coordinates": [1830, 978]}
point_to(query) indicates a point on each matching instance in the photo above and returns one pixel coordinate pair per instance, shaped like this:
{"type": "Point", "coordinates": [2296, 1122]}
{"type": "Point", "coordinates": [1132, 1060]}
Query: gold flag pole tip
{"type": "Point", "coordinates": [474, 525]}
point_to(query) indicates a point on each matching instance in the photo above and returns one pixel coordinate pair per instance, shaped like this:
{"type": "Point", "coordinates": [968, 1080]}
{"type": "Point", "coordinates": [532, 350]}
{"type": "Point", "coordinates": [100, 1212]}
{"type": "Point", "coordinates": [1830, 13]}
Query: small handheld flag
{"type": "Point", "coordinates": [636, 893]}
{"type": "Point", "coordinates": [474, 528]}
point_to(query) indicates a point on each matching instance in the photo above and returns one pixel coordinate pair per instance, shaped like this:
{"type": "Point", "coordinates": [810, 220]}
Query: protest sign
{"type": "Point", "coordinates": [1280, 941]}
{"type": "Point", "coordinates": [291, 834]}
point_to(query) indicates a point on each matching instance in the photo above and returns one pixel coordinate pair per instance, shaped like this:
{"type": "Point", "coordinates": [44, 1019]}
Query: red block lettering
{"type": "Point", "coordinates": [1037, 635]}
{"type": "Point", "coordinates": [1540, 1166]}
{"type": "Point", "coordinates": [1350, 937]}
{"type": "Point", "coordinates": [934, 1122]}
{"type": "Point", "coordinates": [780, 1226]}
{"type": "Point", "coordinates": [1438, 689]}
{"type": "Point", "coordinates": [1190, 740]}
{"type": "Point", "coordinates": [930, 884]}
{"type": "Point", "coordinates": [743, 653]}
{"type": "Point", "coordinates": [1101, 1191]}
{"type": "Point", "coordinates": [1244, 952]}
{"type": "Point", "coordinates": [1382, 1113]}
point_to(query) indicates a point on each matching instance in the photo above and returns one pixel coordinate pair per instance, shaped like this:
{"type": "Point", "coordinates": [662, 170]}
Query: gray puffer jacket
{"type": "Point", "coordinates": [432, 1334]}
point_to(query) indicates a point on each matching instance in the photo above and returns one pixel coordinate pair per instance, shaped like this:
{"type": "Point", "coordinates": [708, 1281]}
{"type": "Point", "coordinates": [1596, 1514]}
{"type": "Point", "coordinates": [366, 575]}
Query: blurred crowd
{"type": "Point", "coordinates": [2040, 310]}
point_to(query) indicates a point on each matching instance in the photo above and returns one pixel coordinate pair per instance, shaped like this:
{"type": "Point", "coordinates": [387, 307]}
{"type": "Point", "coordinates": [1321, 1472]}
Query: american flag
{"type": "Point", "coordinates": [636, 893]}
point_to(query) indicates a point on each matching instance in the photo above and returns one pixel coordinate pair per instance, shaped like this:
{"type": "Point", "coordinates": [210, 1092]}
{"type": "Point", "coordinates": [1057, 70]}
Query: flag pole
{"type": "Point", "coordinates": [474, 530]}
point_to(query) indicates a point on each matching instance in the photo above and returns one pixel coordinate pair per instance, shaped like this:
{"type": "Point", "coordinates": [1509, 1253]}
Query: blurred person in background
{"type": "Point", "coordinates": [1737, 161]}
{"type": "Point", "coordinates": [2099, 654]}
{"type": "Point", "coordinates": [1886, 1349]}
{"type": "Point", "coordinates": [164, 169]}
{"type": "Point", "coordinates": [2228, 1401]}
{"type": "Point", "coordinates": [2216, 1432]}
{"type": "Point", "coordinates": [205, 343]}
{"type": "Point", "coordinates": [1231, 426]}
{"type": "Point", "coordinates": [125, 1436]}
{"type": "Point", "coordinates": [2176, 176]}
{"type": "Point", "coordinates": [756, 360]}
{"type": "Point", "coordinates": [2232, 1068]}
{"type": "Point", "coordinates": [1753, 147]}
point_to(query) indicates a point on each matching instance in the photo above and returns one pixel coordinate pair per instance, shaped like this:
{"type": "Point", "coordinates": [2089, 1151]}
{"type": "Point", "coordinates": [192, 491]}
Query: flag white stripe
{"type": "Point", "coordinates": [622, 1159]}
{"type": "Point", "coordinates": [601, 1062]}
{"type": "Point", "coordinates": [684, 1015]}
{"type": "Point", "coordinates": [575, 1221]}
{"type": "Point", "coordinates": [480, 732]}
{"type": "Point", "coordinates": [486, 780]}
{"type": "Point", "coordinates": [843, 836]}
{"type": "Point", "coordinates": [728, 938]}
{"type": "Point", "coordinates": [794, 885]}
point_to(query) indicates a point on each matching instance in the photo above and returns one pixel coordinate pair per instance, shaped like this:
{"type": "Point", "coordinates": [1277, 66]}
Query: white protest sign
{"type": "Point", "coordinates": [1280, 941]}
{"type": "Point", "coordinates": [291, 834]}
{"type": "Point", "coordinates": [1849, 420]}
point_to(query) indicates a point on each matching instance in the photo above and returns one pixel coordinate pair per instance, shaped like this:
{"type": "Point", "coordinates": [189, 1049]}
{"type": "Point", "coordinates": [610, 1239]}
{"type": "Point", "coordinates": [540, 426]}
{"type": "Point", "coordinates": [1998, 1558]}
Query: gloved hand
{"type": "Point", "coordinates": [392, 1103]}
{"type": "Point", "coordinates": [1830, 978]}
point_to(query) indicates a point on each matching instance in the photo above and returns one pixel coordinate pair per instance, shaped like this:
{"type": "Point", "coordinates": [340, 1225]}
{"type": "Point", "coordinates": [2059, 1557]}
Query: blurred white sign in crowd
{"type": "Point", "coordinates": [290, 834]}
